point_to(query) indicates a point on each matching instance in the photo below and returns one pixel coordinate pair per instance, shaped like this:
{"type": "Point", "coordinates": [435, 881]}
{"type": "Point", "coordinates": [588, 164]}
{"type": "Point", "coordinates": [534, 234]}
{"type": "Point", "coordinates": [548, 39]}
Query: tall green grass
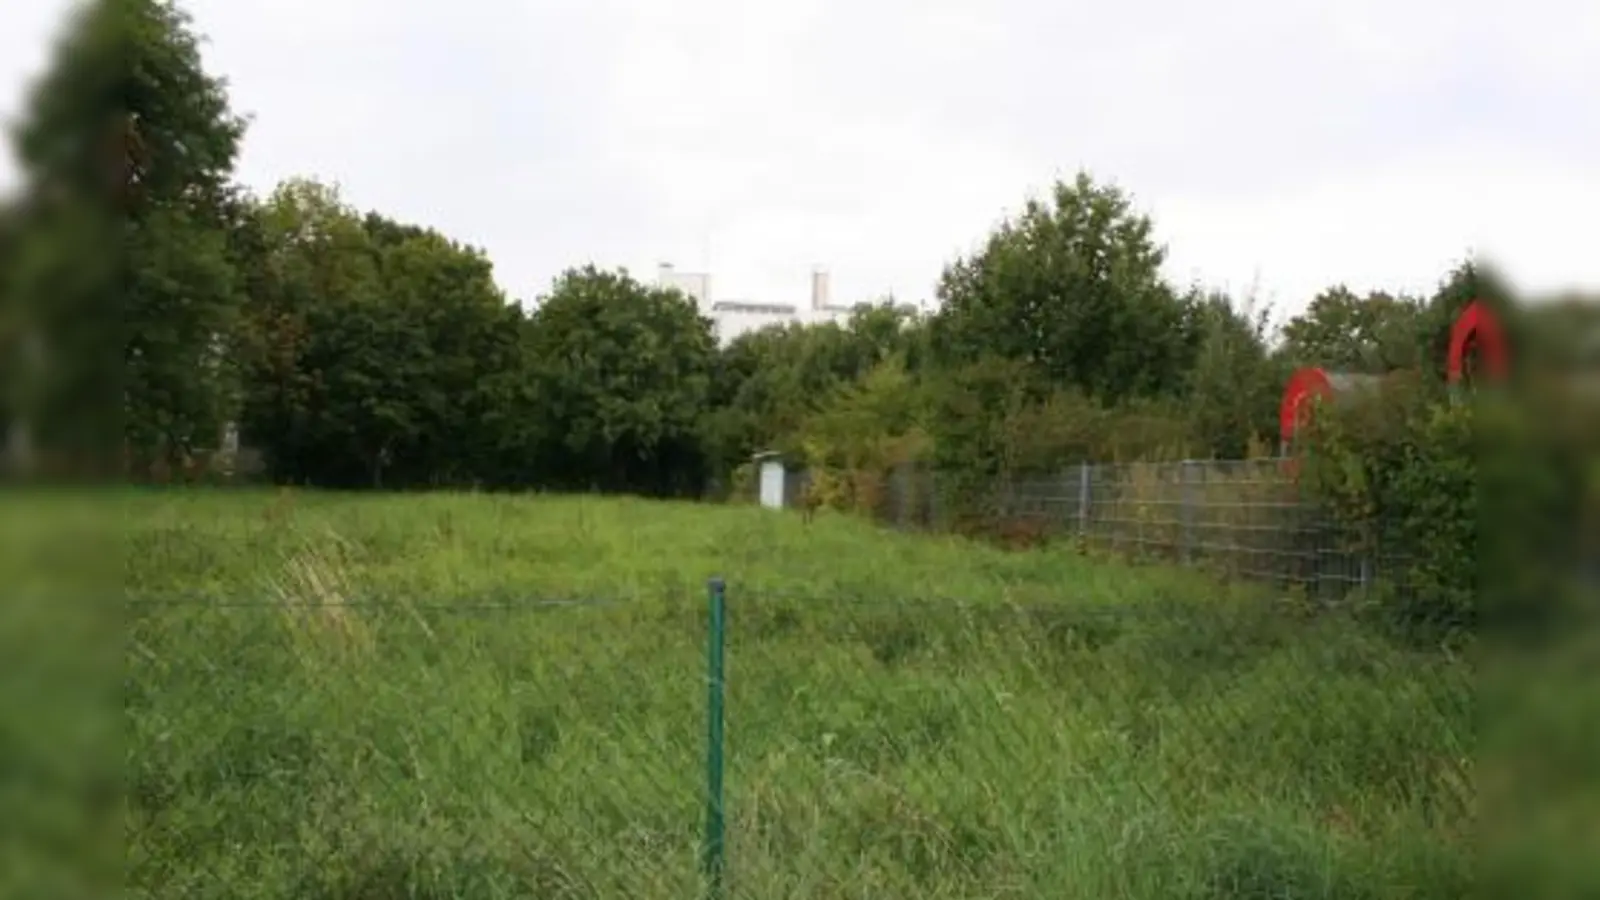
{"type": "Point", "coordinates": [471, 696]}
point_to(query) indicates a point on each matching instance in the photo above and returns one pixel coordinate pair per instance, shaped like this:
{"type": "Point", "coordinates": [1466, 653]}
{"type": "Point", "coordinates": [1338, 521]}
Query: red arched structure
{"type": "Point", "coordinates": [1305, 387]}
{"type": "Point", "coordinates": [1477, 336]}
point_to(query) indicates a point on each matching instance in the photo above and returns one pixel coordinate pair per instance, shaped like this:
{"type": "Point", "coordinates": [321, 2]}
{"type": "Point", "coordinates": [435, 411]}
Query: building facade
{"type": "Point", "coordinates": [734, 317]}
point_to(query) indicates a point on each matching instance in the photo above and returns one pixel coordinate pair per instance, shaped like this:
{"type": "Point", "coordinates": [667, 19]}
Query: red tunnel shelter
{"type": "Point", "coordinates": [1477, 337]}
{"type": "Point", "coordinates": [1304, 388]}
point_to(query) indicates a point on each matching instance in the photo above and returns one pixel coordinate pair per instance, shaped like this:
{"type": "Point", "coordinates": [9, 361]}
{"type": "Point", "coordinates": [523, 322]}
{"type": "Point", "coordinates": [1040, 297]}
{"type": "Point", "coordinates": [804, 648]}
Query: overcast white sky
{"type": "Point", "coordinates": [1278, 143]}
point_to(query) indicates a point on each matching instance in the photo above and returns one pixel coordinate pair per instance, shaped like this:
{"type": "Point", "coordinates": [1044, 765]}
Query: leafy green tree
{"type": "Point", "coordinates": [127, 143]}
{"type": "Point", "coordinates": [758, 395]}
{"type": "Point", "coordinates": [368, 362]}
{"type": "Point", "coordinates": [1236, 383]}
{"type": "Point", "coordinates": [1470, 280]}
{"type": "Point", "coordinates": [1345, 332]}
{"type": "Point", "coordinates": [769, 382]}
{"type": "Point", "coordinates": [874, 422]}
{"type": "Point", "coordinates": [1400, 474]}
{"type": "Point", "coordinates": [313, 272]}
{"type": "Point", "coordinates": [1071, 288]}
{"type": "Point", "coordinates": [973, 416]}
{"type": "Point", "coordinates": [379, 353]}
{"type": "Point", "coordinates": [470, 336]}
{"type": "Point", "coordinates": [623, 371]}
{"type": "Point", "coordinates": [181, 384]}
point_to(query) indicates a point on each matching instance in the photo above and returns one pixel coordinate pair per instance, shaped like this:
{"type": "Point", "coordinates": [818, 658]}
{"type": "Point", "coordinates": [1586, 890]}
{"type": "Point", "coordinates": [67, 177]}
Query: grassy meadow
{"type": "Point", "coordinates": [454, 696]}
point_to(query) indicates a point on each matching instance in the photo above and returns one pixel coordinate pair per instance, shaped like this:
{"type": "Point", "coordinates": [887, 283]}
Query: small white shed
{"type": "Point", "coordinates": [769, 479]}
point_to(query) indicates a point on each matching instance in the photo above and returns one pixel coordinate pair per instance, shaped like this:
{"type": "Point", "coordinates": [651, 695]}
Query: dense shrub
{"type": "Point", "coordinates": [1398, 474]}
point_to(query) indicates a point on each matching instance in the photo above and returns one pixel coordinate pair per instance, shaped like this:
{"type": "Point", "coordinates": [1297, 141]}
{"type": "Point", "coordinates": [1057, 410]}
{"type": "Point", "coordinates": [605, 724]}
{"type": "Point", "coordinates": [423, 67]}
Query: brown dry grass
{"type": "Point", "coordinates": [316, 601]}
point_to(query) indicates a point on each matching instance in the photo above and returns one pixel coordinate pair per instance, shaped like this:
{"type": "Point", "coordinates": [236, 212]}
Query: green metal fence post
{"type": "Point", "coordinates": [1187, 505]}
{"type": "Point", "coordinates": [713, 852]}
{"type": "Point", "coordinates": [1083, 499]}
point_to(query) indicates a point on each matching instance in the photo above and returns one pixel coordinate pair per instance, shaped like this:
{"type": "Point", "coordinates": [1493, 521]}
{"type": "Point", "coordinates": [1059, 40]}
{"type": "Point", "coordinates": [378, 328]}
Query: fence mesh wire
{"type": "Point", "coordinates": [878, 744]}
{"type": "Point", "coordinates": [314, 747]}
{"type": "Point", "coordinates": [1245, 518]}
{"type": "Point", "coordinates": [891, 747]}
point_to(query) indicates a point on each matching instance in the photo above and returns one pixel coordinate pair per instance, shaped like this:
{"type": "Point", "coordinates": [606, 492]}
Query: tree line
{"type": "Point", "coordinates": [355, 350]}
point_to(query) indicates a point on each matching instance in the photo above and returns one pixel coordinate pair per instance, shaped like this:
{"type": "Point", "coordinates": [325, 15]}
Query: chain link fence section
{"type": "Point", "coordinates": [313, 747]}
{"type": "Point", "coordinates": [859, 745]}
{"type": "Point", "coordinates": [894, 747]}
{"type": "Point", "coordinates": [1242, 518]}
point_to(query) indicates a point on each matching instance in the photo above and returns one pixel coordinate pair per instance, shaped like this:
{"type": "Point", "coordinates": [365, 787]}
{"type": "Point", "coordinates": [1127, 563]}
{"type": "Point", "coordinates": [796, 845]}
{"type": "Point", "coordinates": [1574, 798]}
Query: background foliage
{"type": "Point", "coordinates": [353, 350]}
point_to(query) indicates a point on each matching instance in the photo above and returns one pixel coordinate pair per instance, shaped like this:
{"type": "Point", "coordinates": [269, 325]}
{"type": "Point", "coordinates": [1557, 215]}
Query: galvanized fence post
{"type": "Point", "coordinates": [1083, 499]}
{"type": "Point", "coordinates": [714, 848]}
{"type": "Point", "coordinates": [1187, 509]}
{"type": "Point", "coordinates": [900, 490]}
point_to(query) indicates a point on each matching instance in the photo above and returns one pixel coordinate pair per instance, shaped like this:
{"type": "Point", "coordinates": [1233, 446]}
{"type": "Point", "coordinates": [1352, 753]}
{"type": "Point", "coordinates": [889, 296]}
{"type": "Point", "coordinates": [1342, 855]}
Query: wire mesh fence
{"type": "Point", "coordinates": [859, 744]}
{"type": "Point", "coordinates": [331, 748]}
{"type": "Point", "coordinates": [935, 748]}
{"type": "Point", "coordinates": [1244, 518]}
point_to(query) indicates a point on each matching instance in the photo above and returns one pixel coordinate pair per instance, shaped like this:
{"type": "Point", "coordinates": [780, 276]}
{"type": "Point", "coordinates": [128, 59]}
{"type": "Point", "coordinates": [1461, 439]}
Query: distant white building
{"type": "Point", "coordinates": [735, 317]}
{"type": "Point", "coordinates": [694, 284]}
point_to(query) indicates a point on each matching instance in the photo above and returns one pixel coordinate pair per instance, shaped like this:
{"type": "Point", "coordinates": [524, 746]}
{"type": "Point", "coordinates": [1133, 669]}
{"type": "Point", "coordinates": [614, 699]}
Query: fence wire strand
{"type": "Point", "coordinates": [913, 749]}
{"type": "Point", "coordinates": [1245, 518]}
{"type": "Point", "coordinates": [876, 745]}
{"type": "Point", "coordinates": [409, 749]}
